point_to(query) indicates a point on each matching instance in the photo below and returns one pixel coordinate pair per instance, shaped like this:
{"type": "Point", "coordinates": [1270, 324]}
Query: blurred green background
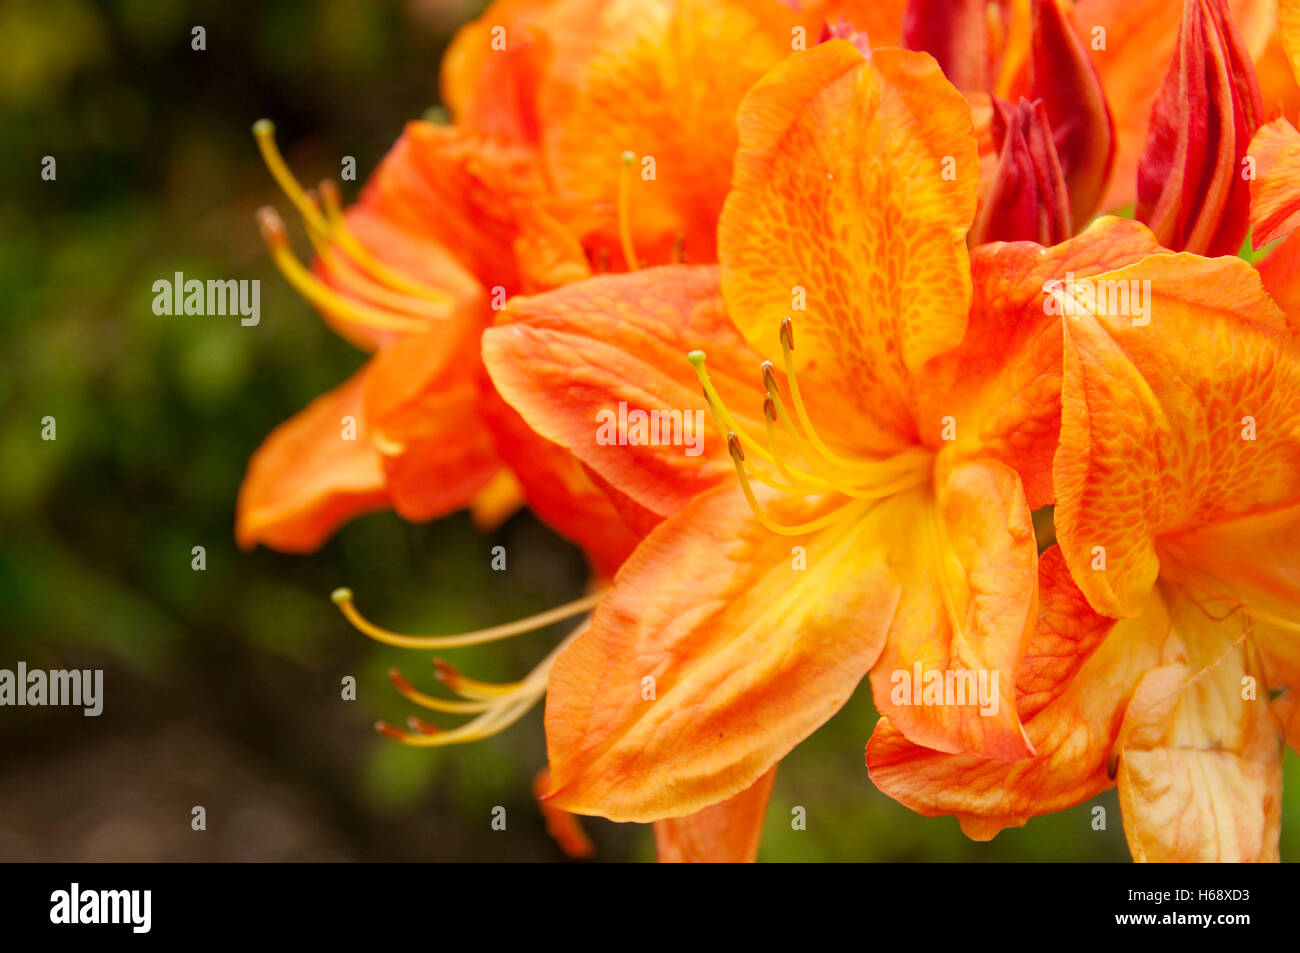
{"type": "Point", "coordinates": [223, 686]}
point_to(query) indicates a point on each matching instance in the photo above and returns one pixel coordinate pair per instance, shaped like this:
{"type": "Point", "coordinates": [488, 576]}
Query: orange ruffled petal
{"type": "Point", "coordinates": [313, 473]}
{"type": "Point", "coordinates": [877, 247]}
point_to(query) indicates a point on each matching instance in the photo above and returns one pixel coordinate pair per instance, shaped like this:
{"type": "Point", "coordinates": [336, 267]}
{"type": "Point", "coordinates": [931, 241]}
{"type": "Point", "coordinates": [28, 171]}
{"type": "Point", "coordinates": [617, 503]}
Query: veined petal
{"type": "Point", "coordinates": [1002, 386]}
{"type": "Point", "coordinates": [714, 654]}
{"type": "Point", "coordinates": [1275, 193]}
{"type": "Point", "coordinates": [1074, 683]}
{"type": "Point", "coordinates": [593, 365]}
{"type": "Point", "coordinates": [727, 832]}
{"type": "Point", "coordinates": [968, 569]}
{"type": "Point", "coordinates": [1167, 425]}
{"type": "Point", "coordinates": [877, 247]}
{"type": "Point", "coordinates": [1200, 767]}
{"type": "Point", "coordinates": [311, 474]}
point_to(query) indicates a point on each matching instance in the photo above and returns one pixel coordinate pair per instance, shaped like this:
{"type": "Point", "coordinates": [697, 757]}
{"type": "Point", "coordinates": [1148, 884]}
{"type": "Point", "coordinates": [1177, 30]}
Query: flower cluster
{"type": "Point", "coordinates": [802, 320]}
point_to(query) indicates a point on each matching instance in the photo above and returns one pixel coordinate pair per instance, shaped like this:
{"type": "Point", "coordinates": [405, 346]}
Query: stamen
{"type": "Point", "coordinates": [421, 727]}
{"type": "Point", "coordinates": [799, 529]}
{"type": "Point", "coordinates": [342, 232]}
{"type": "Point", "coordinates": [343, 599]}
{"type": "Point", "coordinates": [787, 347]}
{"type": "Point", "coordinates": [500, 714]}
{"type": "Point", "coordinates": [446, 673]}
{"type": "Point", "coordinates": [432, 702]}
{"type": "Point", "coordinates": [334, 227]}
{"type": "Point", "coordinates": [624, 221]}
{"type": "Point", "coordinates": [679, 249]}
{"type": "Point", "coordinates": [316, 291]}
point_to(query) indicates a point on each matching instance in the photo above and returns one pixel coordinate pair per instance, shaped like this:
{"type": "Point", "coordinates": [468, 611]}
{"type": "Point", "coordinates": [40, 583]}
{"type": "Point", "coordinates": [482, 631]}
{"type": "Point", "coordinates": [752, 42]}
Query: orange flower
{"type": "Point", "coordinates": [589, 135]}
{"type": "Point", "coordinates": [892, 533]}
{"type": "Point", "coordinates": [1178, 512]}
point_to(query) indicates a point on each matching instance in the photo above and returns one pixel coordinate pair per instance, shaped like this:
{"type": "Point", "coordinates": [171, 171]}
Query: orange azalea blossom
{"type": "Point", "coordinates": [887, 400]}
{"type": "Point", "coordinates": [589, 135]}
{"type": "Point", "coordinates": [1275, 193]}
{"type": "Point", "coordinates": [596, 137]}
{"type": "Point", "coordinates": [1178, 512]}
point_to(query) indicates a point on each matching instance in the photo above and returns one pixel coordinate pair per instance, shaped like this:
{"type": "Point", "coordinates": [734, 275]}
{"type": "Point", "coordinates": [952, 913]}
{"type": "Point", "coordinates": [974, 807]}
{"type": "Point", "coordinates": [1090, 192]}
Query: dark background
{"type": "Point", "coordinates": [223, 687]}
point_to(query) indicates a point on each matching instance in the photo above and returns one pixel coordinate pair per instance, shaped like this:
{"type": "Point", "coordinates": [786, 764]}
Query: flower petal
{"type": "Point", "coordinates": [714, 654]}
{"type": "Point", "coordinates": [576, 362]}
{"type": "Point", "coordinates": [968, 570]}
{"type": "Point", "coordinates": [727, 832]}
{"type": "Point", "coordinates": [1002, 386]}
{"type": "Point", "coordinates": [1071, 692]}
{"type": "Point", "coordinates": [1275, 195]}
{"type": "Point", "coordinates": [309, 476]}
{"type": "Point", "coordinates": [1200, 769]}
{"type": "Point", "coordinates": [878, 247]}
{"type": "Point", "coordinates": [1154, 416]}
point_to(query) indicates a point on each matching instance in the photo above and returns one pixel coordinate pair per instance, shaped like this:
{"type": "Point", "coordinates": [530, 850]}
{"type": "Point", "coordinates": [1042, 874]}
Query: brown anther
{"type": "Point", "coordinates": [445, 672]}
{"type": "Point", "coordinates": [787, 333]}
{"type": "Point", "coordinates": [679, 249]}
{"type": "Point", "coordinates": [769, 377]}
{"type": "Point", "coordinates": [422, 727]}
{"type": "Point", "coordinates": [270, 225]}
{"type": "Point", "coordinates": [602, 262]}
{"type": "Point", "coordinates": [399, 681]}
{"type": "Point", "coordinates": [769, 407]}
{"type": "Point", "coordinates": [1112, 765]}
{"type": "Point", "coordinates": [734, 447]}
{"type": "Point", "coordinates": [388, 731]}
{"type": "Point", "coordinates": [329, 189]}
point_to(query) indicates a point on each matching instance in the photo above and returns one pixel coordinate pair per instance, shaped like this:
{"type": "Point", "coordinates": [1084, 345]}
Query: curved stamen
{"type": "Point", "coordinates": [319, 293]}
{"type": "Point", "coordinates": [799, 529]}
{"type": "Point", "coordinates": [432, 702]}
{"type": "Point", "coordinates": [450, 676]}
{"type": "Point", "coordinates": [343, 599]}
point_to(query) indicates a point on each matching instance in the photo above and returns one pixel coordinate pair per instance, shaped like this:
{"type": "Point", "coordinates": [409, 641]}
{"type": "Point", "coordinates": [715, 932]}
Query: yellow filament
{"type": "Point", "coordinates": [473, 688]}
{"type": "Point", "coordinates": [343, 599]}
{"type": "Point", "coordinates": [503, 713]}
{"type": "Point", "coordinates": [319, 293]}
{"type": "Point", "coordinates": [358, 282]}
{"type": "Point", "coordinates": [432, 702]}
{"type": "Point", "coordinates": [335, 228]}
{"type": "Point", "coordinates": [802, 411]}
{"type": "Point", "coordinates": [624, 219]}
{"type": "Point", "coordinates": [798, 529]}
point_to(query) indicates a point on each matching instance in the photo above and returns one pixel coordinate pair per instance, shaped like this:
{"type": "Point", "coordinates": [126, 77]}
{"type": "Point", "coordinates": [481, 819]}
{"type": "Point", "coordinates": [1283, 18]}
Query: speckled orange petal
{"type": "Point", "coordinates": [727, 832]}
{"type": "Point", "coordinates": [1200, 768]}
{"type": "Point", "coordinates": [968, 570]}
{"type": "Point", "coordinates": [422, 403]}
{"type": "Point", "coordinates": [580, 362]}
{"type": "Point", "coordinates": [314, 472]}
{"type": "Point", "coordinates": [1074, 683]}
{"type": "Point", "coordinates": [1156, 419]}
{"type": "Point", "coordinates": [1275, 193]}
{"type": "Point", "coordinates": [1279, 652]}
{"type": "Point", "coordinates": [714, 654]}
{"type": "Point", "coordinates": [1002, 387]}
{"type": "Point", "coordinates": [877, 247]}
